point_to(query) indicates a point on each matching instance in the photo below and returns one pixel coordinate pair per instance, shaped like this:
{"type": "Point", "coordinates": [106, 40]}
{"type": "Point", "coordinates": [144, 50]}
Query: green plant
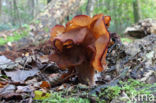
{"type": "Point", "coordinates": [16, 36]}
{"type": "Point", "coordinates": [46, 29]}
{"type": "Point", "coordinates": [130, 87]}
{"type": "Point", "coordinates": [136, 87]}
{"type": "Point", "coordinates": [126, 40]}
{"type": "Point", "coordinates": [57, 97]}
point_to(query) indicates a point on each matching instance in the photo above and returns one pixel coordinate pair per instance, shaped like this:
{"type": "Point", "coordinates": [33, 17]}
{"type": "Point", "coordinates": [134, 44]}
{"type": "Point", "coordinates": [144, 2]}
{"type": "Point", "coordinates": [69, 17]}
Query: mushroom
{"type": "Point", "coordinates": [82, 45]}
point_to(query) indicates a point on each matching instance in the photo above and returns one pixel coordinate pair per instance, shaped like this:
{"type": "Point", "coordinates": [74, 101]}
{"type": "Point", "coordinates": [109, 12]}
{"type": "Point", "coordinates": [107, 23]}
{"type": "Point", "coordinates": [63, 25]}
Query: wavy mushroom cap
{"type": "Point", "coordinates": [83, 39]}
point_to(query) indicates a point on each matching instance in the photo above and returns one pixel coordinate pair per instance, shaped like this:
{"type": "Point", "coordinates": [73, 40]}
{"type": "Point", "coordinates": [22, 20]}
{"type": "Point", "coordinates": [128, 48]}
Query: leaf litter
{"type": "Point", "coordinates": [31, 74]}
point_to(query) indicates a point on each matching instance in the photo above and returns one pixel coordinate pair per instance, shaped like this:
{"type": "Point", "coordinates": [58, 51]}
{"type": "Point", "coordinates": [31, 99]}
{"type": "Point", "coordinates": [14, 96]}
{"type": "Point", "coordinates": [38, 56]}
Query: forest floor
{"type": "Point", "coordinates": [27, 75]}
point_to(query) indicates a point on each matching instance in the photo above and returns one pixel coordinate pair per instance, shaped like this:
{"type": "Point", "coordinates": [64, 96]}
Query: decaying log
{"type": "Point", "coordinates": [142, 28]}
{"type": "Point", "coordinates": [136, 60]}
{"type": "Point", "coordinates": [138, 56]}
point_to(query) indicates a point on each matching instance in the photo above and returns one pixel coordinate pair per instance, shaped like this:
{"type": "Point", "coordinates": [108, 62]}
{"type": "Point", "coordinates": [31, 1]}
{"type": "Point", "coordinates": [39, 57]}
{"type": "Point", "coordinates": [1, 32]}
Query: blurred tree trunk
{"type": "Point", "coordinates": [115, 15]}
{"type": "Point", "coordinates": [136, 10]}
{"type": "Point", "coordinates": [11, 11]}
{"type": "Point", "coordinates": [90, 7]}
{"type": "Point", "coordinates": [16, 16]}
{"type": "Point", "coordinates": [107, 3]}
{"type": "Point", "coordinates": [55, 13]}
{"type": "Point", "coordinates": [36, 7]}
{"type": "Point", "coordinates": [31, 7]}
{"type": "Point", "coordinates": [97, 3]}
{"type": "Point", "coordinates": [0, 7]}
{"type": "Point", "coordinates": [38, 30]}
{"type": "Point", "coordinates": [48, 1]}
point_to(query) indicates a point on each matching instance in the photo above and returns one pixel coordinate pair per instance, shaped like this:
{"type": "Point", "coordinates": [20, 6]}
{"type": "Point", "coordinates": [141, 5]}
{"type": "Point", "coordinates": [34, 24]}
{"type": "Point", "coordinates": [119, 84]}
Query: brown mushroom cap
{"type": "Point", "coordinates": [83, 39]}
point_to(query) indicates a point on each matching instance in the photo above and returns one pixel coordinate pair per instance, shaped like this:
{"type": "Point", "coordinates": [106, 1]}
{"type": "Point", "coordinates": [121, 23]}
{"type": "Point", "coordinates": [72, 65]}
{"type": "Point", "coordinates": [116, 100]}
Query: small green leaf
{"type": "Point", "coordinates": [40, 95]}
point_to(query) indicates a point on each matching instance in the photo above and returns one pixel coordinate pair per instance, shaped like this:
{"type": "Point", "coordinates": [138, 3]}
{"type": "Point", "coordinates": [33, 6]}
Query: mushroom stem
{"type": "Point", "coordinates": [85, 73]}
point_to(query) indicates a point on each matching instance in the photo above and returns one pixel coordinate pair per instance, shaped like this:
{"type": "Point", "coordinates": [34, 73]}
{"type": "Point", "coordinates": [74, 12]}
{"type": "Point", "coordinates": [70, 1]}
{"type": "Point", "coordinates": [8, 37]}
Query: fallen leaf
{"type": "Point", "coordinates": [2, 84]}
{"type": "Point", "coordinates": [7, 89]}
{"type": "Point", "coordinates": [6, 63]}
{"type": "Point", "coordinates": [21, 75]}
{"type": "Point", "coordinates": [62, 87]}
{"type": "Point", "coordinates": [45, 84]}
{"type": "Point", "coordinates": [31, 81]}
{"type": "Point", "coordinates": [11, 96]}
{"type": "Point", "coordinates": [53, 75]}
{"type": "Point", "coordinates": [40, 95]}
{"type": "Point", "coordinates": [44, 59]}
{"type": "Point", "coordinates": [27, 54]}
{"type": "Point", "coordinates": [21, 89]}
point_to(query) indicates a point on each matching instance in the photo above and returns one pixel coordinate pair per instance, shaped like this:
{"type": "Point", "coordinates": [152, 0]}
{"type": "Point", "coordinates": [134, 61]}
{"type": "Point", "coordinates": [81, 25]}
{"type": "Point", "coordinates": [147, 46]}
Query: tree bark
{"type": "Point", "coordinates": [36, 7]}
{"type": "Point", "coordinates": [90, 7]}
{"type": "Point", "coordinates": [16, 14]}
{"type": "Point", "coordinates": [48, 1]}
{"type": "Point", "coordinates": [115, 15]}
{"type": "Point", "coordinates": [55, 13]}
{"type": "Point", "coordinates": [136, 10]}
{"type": "Point", "coordinates": [31, 5]}
{"type": "Point", "coordinates": [0, 7]}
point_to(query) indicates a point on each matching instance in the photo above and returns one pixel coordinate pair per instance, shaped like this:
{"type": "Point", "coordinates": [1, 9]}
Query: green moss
{"type": "Point", "coordinates": [36, 21]}
{"type": "Point", "coordinates": [46, 29]}
{"type": "Point", "coordinates": [104, 96]}
{"type": "Point", "coordinates": [57, 97]}
{"type": "Point", "coordinates": [126, 40]}
{"type": "Point", "coordinates": [130, 87]}
{"type": "Point", "coordinates": [136, 87]}
{"type": "Point", "coordinates": [16, 36]}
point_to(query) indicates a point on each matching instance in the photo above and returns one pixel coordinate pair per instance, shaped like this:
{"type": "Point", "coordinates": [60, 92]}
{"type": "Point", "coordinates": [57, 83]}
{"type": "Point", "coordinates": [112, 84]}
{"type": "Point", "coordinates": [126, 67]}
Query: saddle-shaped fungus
{"type": "Point", "coordinates": [82, 45]}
